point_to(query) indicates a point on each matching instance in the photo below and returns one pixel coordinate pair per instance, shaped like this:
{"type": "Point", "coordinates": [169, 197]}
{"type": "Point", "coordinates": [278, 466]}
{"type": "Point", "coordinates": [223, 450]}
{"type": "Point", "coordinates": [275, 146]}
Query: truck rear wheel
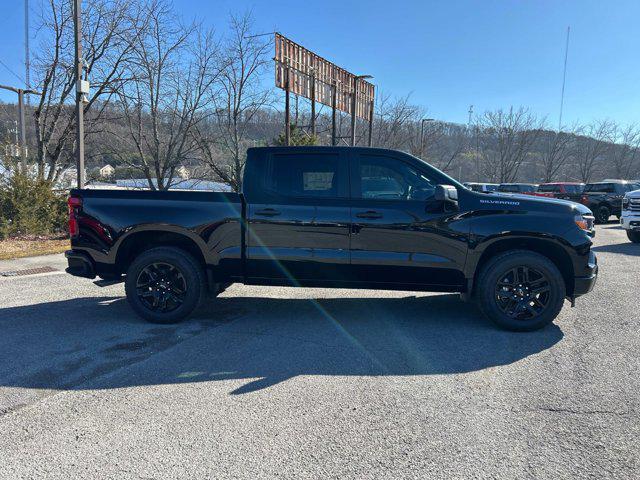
{"type": "Point", "coordinates": [633, 236]}
{"type": "Point", "coordinates": [164, 285]}
{"type": "Point", "coordinates": [521, 290]}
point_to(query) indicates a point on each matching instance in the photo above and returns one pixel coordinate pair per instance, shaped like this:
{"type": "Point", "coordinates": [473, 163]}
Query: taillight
{"type": "Point", "coordinates": [584, 200]}
{"type": "Point", "coordinates": [74, 204]}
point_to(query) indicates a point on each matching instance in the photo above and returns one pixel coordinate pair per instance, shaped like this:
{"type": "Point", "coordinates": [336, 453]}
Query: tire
{"type": "Point", "coordinates": [602, 214]}
{"type": "Point", "coordinates": [633, 236]}
{"type": "Point", "coordinates": [165, 285]}
{"type": "Point", "coordinates": [505, 305]}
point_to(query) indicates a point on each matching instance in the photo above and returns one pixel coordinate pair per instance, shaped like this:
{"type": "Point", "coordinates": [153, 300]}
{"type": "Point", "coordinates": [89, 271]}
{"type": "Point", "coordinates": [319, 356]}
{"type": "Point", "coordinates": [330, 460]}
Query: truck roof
{"type": "Point", "coordinates": [321, 148]}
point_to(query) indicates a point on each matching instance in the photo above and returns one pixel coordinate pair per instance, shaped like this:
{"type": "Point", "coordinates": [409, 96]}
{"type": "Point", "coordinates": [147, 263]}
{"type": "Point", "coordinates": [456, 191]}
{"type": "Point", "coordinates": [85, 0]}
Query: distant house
{"type": "Point", "coordinates": [107, 171]}
{"type": "Point", "coordinates": [183, 172]}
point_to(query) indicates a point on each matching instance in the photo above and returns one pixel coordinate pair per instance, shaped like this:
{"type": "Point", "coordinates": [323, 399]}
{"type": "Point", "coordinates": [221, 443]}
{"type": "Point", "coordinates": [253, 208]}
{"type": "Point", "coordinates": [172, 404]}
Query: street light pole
{"type": "Point", "coordinates": [77, 26]}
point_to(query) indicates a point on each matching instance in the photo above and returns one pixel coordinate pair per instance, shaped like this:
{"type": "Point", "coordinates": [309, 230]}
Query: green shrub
{"type": "Point", "coordinates": [30, 207]}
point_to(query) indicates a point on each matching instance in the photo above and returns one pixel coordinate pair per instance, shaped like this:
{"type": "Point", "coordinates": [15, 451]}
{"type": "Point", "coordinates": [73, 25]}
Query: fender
{"type": "Point", "coordinates": [209, 256]}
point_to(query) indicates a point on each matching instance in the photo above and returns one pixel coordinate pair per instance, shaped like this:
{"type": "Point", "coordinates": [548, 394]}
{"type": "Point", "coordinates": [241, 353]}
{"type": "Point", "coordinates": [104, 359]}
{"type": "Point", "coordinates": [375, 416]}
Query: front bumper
{"type": "Point", "coordinates": [585, 283]}
{"type": "Point", "coordinates": [630, 222]}
{"type": "Point", "coordinates": [80, 264]}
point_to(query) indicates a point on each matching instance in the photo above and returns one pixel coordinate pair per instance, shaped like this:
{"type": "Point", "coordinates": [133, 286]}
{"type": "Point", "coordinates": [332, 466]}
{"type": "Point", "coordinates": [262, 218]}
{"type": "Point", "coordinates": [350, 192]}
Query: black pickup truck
{"type": "Point", "coordinates": [336, 217]}
{"type": "Point", "coordinates": [605, 198]}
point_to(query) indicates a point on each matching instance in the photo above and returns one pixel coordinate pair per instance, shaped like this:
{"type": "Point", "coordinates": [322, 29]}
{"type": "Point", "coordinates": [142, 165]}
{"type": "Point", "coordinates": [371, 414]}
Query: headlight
{"type": "Point", "coordinates": [625, 203]}
{"type": "Point", "coordinates": [585, 222]}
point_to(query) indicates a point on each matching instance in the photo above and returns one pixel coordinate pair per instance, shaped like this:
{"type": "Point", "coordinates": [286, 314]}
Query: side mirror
{"type": "Point", "coordinates": [446, 193]}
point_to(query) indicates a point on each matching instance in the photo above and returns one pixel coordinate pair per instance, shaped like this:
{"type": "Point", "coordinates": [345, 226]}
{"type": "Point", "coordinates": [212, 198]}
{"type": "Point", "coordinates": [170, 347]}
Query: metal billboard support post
{"type": "Point", "coordinates": [334, 93]}
{"type": "Point", "coordinates": [287, 109]}
{"type": "Point", "coordinates": [313, 104]}
{"type": "Point", "coordinates": [354, 97]}
{"type": "Point", "coordinates": [370, 124]}
{"type": "Point", "coordinates": [77, 24]}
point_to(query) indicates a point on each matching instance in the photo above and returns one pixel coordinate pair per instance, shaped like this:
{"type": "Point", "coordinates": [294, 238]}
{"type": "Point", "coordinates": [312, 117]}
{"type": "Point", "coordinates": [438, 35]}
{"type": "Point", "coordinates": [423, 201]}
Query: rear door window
{"type": "Point", "coordinates": [313, 175]}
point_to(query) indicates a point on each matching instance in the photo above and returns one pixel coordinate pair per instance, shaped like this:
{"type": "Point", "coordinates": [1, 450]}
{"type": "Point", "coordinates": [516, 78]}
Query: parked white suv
{"type": "Point", "coordinates": [630, 219]}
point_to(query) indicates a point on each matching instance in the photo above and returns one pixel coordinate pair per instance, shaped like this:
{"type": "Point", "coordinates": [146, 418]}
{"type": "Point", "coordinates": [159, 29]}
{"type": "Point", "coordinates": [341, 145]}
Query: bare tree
{"type": "Point", "coordinates": [625, 153]}
{"type": "Point", "coordinates": [166, 95]}
{"type": "Point", "coordinates": [592, 146]}
{"type": "Point", "coordinates": [240, 97]}
{"type": "Point", "coordinates": [505, 139]}
{"type": "Point", "coordinates": [395, 125]}
{"type": "Point", "coordinates": [441, 144]}
{"type": "Point", "coordinates": [557, 149]}
{"type": "Point", "coordinates": [109, 29]}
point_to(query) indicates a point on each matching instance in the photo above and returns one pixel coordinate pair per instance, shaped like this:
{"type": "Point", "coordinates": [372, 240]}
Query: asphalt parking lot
{"type": "Point", "coordinates": [271, 382]}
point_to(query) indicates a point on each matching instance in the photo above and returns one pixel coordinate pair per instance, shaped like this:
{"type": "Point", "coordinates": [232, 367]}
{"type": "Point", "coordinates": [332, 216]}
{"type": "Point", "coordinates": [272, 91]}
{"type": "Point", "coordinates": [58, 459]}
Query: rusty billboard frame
{"type": "Point", "coordinates": [302, 72]}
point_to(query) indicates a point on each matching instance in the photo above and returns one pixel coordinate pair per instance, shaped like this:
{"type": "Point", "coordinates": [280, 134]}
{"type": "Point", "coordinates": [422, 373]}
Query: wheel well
{"type": "Point", "coordinates": [137, 243]}
{"type": "Point", "coordinates": [552, 251]}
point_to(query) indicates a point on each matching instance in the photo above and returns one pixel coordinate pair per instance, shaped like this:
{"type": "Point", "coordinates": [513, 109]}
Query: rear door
{"type": "Point", "coordinates": [299, 218]}
{"type": "Point", "coordinates": [400, 234]}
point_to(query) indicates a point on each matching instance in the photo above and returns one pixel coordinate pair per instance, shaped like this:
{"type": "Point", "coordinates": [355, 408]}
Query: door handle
{"type": "Point", "coordinates": [268, 212]}
{"type": "Point", "coordinates": [369, 214]}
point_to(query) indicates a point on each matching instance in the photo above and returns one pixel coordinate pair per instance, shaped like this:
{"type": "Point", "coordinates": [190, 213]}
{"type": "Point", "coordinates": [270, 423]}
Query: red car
{"type": "Point", "coordinates": [563, 190]}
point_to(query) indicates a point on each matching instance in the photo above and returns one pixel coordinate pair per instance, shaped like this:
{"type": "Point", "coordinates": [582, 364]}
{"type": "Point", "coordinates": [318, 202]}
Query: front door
{"type": "Point", "coordinates": [299, 228]}
{"type": "Point", "coordinates": [400, 233]}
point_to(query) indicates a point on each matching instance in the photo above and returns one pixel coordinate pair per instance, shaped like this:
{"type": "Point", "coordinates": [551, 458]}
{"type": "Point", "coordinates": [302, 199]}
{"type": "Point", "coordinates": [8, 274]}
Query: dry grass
{"type": "Point", "coordinates": [17, 247]}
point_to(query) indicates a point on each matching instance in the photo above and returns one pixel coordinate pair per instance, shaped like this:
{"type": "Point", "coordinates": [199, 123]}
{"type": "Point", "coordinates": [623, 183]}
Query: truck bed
{"type": "Point", "coordinates": [114, 224]}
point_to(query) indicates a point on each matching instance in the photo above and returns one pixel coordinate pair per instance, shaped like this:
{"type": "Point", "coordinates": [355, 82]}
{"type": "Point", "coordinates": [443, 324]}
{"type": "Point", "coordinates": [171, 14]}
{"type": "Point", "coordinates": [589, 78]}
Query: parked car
{"type": "Point", "coordinates": [630, 219]}
{"type": "Point", "coordinates": [336, 217]}
{"type": "Point", "coordinates": [525, 188]}
{"type": "Point", "coordinates": [563, 190]}
{"type": "Point", "coordinates": [481, 187]}
{"type": "Point", "coordinates": [605, 198]}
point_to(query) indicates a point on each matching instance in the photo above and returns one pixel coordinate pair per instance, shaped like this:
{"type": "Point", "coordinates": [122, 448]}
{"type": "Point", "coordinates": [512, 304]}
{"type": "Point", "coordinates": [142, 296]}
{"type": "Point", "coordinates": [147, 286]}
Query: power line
{"type": "Point", "coordinates": [13, 73]}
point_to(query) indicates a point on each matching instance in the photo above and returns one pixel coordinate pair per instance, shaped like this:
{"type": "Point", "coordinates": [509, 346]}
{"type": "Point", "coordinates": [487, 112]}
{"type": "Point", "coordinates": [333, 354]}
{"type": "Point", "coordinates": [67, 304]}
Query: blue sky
{"type": "Point", "coordinates": [449, 54]}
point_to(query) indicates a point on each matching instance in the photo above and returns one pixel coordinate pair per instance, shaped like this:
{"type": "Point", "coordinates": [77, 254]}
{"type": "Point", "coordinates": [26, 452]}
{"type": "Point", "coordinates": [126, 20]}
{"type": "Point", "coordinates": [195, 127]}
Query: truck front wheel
{"type": "Point", "coordinates": [602, 214]}
{"type": "Point", "coordinates": [633, 236]}
{"type": "Point", "coordinates": [521, 290]}
{"type": "Point", "coordinates": [164, 284]}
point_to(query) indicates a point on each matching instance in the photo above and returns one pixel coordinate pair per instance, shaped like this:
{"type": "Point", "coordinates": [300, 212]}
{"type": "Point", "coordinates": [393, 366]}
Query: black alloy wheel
{"type": "Point", "coordinates": [161, 287]}
{"type": "Point", "coordinates": [520, 290]}
{"type": "Point", "coordinates": [522, 293]}
{"type": "Point", "coordinates": [165, 284]}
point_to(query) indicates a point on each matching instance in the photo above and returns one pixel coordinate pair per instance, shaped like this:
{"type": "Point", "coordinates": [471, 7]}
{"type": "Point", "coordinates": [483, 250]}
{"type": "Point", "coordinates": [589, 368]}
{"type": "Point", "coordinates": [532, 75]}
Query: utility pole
{"type": "Point", "coordinates": [27, 55]}
{"type": "Point", "coordinates": [21, 122]}
{"type": "Point", "coordinates": [77, 27]}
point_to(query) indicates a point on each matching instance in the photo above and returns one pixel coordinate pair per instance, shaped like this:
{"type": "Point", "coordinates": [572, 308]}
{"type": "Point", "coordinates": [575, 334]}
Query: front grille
{"type": "Point", "coordinates": [634, 204]}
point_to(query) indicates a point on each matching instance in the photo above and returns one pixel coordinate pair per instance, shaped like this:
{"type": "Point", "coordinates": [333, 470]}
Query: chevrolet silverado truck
{"type": "Point", "coordinates": [605, 198]}
{"type": "Point", "coordinates": [339, 217]}
{"type": "Point", "coordinates": [630, 219]}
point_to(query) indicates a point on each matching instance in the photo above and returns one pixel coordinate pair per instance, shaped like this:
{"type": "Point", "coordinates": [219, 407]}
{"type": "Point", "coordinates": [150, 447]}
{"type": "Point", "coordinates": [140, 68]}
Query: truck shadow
{"type": "Point", "coordinates": [626, 248]}
{"type": "Point", "coordinates": [252, 342]}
